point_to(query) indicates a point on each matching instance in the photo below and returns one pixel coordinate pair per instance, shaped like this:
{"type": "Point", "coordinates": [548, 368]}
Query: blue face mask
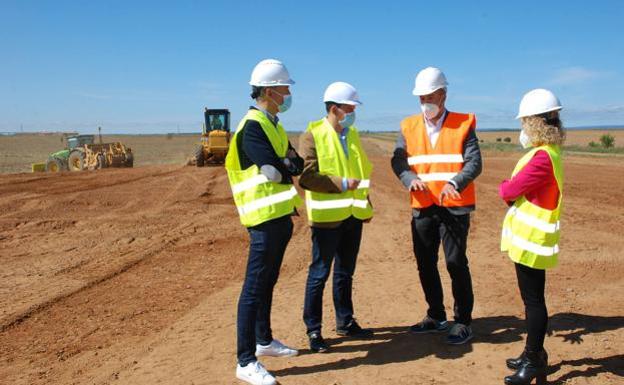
{"type": "Point", "coordinates": [348, 120]}
{"type": "Point", "coordinates": [285, 104]}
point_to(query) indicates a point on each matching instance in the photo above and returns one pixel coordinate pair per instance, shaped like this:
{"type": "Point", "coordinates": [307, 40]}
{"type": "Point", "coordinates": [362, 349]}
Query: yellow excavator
{"type": "Point", "coordinates": [215, 139]}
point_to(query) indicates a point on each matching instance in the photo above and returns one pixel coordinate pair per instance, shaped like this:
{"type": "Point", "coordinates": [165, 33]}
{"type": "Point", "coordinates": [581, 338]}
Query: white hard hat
{"type": "Point", "coordinates": [342, 93]}
{"type": "Point", "coordinates": [270, 73]}
{"type": "Point", "coordinates": [429, 81]}
{"type": "Point", "coordinates": [538, 101]}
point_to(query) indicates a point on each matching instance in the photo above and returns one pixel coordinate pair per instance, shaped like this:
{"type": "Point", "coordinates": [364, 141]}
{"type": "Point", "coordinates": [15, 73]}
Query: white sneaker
{"type": "Point", "coordinates": [254, 373]}
{"type": "Point", "coordinates": [275, 349]}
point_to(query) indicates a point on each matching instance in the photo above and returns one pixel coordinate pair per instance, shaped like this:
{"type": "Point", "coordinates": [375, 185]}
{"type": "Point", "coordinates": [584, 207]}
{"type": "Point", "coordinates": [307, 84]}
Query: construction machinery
{"type": "Point", "coordinates": [215, 139]}
{"type": "Point", "coordinates": [82, 153]}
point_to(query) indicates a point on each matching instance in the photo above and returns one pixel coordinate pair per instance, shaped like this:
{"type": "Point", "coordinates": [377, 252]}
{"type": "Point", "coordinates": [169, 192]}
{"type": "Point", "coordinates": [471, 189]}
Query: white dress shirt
{"type": "Point", "coordinates": [433, 129]}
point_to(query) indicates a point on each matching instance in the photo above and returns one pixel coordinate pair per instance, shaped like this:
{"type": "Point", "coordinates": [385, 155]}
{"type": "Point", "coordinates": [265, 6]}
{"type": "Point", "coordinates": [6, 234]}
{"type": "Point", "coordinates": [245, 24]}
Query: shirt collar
{"type": "Point", "coordinates": [344, 132]}
{"type": "Point", "coordinates": [438, 125]}
{"type": "Point", "coordinates": [273, 119]}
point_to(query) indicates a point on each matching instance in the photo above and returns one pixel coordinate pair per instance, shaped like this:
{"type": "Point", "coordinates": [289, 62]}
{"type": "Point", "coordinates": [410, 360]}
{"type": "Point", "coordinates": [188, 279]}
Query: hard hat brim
{"type": "Point", "coordinates": [349, 102]}
{"type": "Point", "coordinates": [524, 115]}
{"type": "Point", "coordinates": [417, 92]}
{"type": "Point", "coordinates": [288, 82]}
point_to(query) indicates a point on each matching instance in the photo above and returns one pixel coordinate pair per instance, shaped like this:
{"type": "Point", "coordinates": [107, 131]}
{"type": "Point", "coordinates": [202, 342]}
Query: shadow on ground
{"type": "Point", "coordinates": [396, 344]}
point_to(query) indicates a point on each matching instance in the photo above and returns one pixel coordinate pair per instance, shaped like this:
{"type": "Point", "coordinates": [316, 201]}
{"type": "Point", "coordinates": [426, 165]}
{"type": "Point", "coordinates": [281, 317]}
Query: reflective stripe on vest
{"type": "Point", "coordinates": [437, 176]}
{"type": "Point", "coordinates": [267, 201]}
{"type": "Point", "coordinates": [249, 183]}
{"type": "Point", "coordinates": [435, 158]}
{"type": "Point", "coordinates": [436, 165]}
{"type": "Point", "coordinates": [333, 207]}
{"type": "Point", "coordinates": [531, 233]}
{"type": "Point", "coordinates": [257, 198]}
{"type": "Point", "coordinates": [532, 247]}
{"type": "Point", "coordinates": [533, 221]}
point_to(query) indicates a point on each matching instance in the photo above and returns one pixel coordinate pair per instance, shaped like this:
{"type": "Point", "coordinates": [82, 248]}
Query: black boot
{"type": "Point", "coordinates": [514, 363]}
{"type": "Point", "coordinates": [533, 366]}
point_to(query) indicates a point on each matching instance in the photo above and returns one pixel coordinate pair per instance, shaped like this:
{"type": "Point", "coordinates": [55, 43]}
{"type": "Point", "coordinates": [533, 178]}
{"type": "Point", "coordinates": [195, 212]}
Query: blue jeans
{"type": "Point", "coordinates": [339, 245]}
{"type": "Point", "coordinates": [267, 245]}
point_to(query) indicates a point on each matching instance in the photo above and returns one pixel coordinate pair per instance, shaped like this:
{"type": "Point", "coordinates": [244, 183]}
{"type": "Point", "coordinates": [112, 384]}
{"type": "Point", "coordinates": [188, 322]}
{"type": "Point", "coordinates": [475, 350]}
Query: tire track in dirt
{"type": "Point", "coordinates": [15, 319]}
{"type": "Point", "coordinates": [199, 232]}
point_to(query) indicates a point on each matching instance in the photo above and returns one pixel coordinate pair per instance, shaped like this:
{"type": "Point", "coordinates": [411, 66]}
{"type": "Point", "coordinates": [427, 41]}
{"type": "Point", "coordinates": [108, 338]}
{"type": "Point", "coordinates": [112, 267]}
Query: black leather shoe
{"type": "Point", "coordinates": [317, 343]}
{"type": "Point", "coordinates": [514, 363]}
{"type": "Point", "coordinates": [354, 330]}
{"type": "Point", "coordinates": [533, 367]}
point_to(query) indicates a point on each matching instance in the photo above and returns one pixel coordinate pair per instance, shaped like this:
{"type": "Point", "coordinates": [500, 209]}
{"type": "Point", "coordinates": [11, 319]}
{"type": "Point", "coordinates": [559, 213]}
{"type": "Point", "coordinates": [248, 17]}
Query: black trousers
{"type": "Point", "coordinates": [531, 283]}
{"type": "Point", "coordinates": [435, 225]}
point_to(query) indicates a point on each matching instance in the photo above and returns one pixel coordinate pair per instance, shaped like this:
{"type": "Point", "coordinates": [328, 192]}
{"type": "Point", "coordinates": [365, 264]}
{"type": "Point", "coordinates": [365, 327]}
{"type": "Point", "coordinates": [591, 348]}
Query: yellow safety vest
{"type": "Point", "coordinates": [258, 199]}
{"type": "Point", "coordinates": [531, 233]}
{"type": "Point", "coordinates": [334, 207]}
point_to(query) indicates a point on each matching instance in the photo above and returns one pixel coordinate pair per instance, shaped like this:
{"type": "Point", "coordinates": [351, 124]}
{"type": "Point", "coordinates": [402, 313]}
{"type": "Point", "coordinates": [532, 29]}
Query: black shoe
{"type": "Point", "coordinates": [317, 343]}
{"type": "Point", "coordinates": [429, 325]}
{"type": "Point", "coordinates": [514, 363]}
{"type": "Point", "coordinates": [533, 367]}
{"type": "Point", "coordinates": [354, 330]}
{"type": "Point", "coordinates": [459, 334]}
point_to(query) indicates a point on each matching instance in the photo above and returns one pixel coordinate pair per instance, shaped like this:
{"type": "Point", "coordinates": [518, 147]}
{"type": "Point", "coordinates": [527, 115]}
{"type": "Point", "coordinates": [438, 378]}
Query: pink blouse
{"type": "Point", "coordinates": [536, 181]}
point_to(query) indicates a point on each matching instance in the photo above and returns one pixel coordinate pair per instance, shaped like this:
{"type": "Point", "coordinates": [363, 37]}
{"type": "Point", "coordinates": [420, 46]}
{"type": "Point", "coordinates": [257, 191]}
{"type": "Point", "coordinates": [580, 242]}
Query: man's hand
{"type": "Point", "coordinates": [449, 191]}
{"type": "Point", "coordinates": [418, 185]}
{"type": "Point", "coordinates": [352, 184]}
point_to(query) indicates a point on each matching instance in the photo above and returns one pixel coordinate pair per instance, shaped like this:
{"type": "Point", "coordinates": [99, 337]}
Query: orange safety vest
{"type": "Point", "coordinates": [437, 165]}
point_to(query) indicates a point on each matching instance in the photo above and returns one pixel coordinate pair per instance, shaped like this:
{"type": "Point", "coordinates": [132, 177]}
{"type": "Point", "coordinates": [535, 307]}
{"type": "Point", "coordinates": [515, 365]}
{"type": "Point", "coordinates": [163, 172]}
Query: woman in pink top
{"type": "Point", "coordinates": [536, 182]}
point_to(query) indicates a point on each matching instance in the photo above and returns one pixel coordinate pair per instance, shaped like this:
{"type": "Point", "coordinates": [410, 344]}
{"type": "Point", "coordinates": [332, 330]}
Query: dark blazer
{"type": "Point", "coordinates": [255, 148]}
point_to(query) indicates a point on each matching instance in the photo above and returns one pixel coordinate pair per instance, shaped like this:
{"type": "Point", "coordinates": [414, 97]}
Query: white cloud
{"type": "Point", "coordinates": [91, 95]}
{"type": "Point", "coordinates": [126, 95]}
{"type": "Point", "coordinates": [475, 98]}
{"type": "Point", "coordinates": [575, 75]}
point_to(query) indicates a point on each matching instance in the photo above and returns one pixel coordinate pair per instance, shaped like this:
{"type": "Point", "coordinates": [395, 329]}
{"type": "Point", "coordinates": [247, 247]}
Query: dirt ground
{"type": "Point", "coordinates": [573, 137]}
{"type": "Point", "coordinates": [18, 152]}
{"type": "Point", "coordinates": [131, 276]}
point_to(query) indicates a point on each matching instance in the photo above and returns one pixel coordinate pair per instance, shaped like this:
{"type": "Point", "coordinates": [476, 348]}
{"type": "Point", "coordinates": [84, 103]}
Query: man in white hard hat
{"type": "Point", "coordinates": [437, 158]}
{"type": "Point", "coordinates": [336, 179]}
{"type": "Point", "coordinates": [260, 164]}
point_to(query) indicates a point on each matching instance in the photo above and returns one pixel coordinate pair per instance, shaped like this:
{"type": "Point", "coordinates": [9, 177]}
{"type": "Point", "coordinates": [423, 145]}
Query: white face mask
{"type": "Point", "coordinates": [430, 110]}
{"type": "Point", "coordinates": [524, 139]}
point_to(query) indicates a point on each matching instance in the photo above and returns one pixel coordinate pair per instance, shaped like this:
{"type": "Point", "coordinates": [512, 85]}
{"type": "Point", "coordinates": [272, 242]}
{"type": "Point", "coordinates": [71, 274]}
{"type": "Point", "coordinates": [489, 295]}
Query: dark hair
{"type": "Point", "coordinates": [552, 118]}
{"type": "Point", "coordinates": [256, 91]}
{"type": "Point", "coordinates": [328, 105]}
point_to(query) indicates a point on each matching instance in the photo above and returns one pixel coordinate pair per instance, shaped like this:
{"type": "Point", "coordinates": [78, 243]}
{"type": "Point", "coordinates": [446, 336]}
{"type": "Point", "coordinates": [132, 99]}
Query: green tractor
{"type": "Point", "coordinates": [59, 161]}
{"type": "Point", "coordinates": [83, 154]}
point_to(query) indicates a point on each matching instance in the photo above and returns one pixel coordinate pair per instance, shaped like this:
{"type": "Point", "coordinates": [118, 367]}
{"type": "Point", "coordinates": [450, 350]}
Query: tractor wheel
{"type": "Point", "coordinates": [199, 156]}
{"type": "Point", "coordinates": [54, 165]}
{"type": "Point", "coordinates": [129, 160]}
{"type": "Point", "coordinates": [76, 161]}
{"type": "Point", "coordinates": [101, 161]}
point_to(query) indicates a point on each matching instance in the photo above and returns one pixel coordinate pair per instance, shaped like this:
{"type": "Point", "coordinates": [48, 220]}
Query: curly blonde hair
{"type": "Point", "coordinates": [544, 129]}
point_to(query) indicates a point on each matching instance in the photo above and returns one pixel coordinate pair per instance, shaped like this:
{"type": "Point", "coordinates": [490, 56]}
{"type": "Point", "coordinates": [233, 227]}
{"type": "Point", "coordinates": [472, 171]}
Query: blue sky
{"type": "Point", "coordinates": [141, 67]}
